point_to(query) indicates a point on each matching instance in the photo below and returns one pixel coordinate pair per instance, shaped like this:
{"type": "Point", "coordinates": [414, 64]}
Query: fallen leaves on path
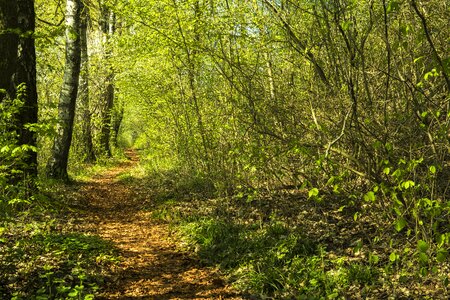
{"type": "Point", "coordinates": [152, 267]}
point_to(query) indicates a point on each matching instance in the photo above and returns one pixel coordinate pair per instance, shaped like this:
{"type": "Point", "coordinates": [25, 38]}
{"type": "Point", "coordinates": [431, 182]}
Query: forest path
{"type": "Point", "coordinates": [152, 266]}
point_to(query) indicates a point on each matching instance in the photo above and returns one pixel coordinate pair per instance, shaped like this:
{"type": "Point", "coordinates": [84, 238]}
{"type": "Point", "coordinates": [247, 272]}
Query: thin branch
{"type": "Point", "coordinates": [327, 151]}
{"type": "Point", "coordinates": [430, 42]}
{"type": "Point", "coordinates": [52, 24]}
{"type": "Point", "coordinates": [303, 49]}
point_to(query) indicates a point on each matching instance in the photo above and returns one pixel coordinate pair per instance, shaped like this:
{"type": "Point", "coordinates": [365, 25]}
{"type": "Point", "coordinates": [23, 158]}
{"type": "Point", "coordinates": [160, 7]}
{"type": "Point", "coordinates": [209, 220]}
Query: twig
{"type": "Point", "coordinates": [340, 135]}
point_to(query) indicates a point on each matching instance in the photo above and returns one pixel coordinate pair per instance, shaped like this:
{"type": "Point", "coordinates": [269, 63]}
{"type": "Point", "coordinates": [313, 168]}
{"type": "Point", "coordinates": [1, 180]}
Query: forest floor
{"type": "Point", "coordinates": [277, 246]}
{"type": "Point", "coordinates": [124, 230]}
{"type": "Point", "coordinates": [152, 265]}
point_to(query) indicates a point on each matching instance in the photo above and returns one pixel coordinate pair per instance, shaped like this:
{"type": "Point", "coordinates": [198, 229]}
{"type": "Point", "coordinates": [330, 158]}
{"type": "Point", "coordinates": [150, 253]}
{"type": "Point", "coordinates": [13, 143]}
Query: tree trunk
{"type": "Point", "coordinates": [18, 67]}
{"type": "Point", "coordinates": [116, 122]}
{"type": "Point", "coordinates": [57, 165]}
{"type": "Point", "coordinates": [107, 97]}
{"type": "Point", "coordinates": [83, 91]}
{"type": "Point", "coordinates": [9, 42]}
{"type": "Point", "coordinates": [26, 73]}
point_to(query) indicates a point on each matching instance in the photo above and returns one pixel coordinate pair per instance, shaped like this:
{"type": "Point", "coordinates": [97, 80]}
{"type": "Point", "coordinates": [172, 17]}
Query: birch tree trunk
{"type": "Point", "coordinates": [57, 165]}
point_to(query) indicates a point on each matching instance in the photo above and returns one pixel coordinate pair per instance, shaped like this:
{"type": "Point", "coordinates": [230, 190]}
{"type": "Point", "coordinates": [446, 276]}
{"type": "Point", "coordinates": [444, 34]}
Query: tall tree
{"type": "Point", "coordinates": [8, 51]}
{"type": "Point", "coordinates": [18, 68]}
{"type": "Point", "coordinates": [83, 92]}
{"type": "Point", "coordinates": [108, 27]}
{"type": "Point", "coordinates": [57, 165]}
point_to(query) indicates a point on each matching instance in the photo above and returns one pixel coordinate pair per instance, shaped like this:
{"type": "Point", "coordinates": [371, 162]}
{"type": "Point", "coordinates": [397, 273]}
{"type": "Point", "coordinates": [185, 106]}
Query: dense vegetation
{"type": "Point", "coordinates": [301, 145]}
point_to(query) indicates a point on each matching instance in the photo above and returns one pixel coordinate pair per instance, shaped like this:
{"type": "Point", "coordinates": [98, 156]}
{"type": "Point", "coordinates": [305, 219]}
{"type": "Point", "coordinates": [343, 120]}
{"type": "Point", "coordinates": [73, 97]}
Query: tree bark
{"type": "Point", "coordinates": [83, 91]}
{"type": "Point", "coordinates": [17, 68]}
{"type": "Point", "coordinates": [9, 41]}
{"type": "Point", "coordinates": [107, 98]}
{"type": "Point", "coordinates": [26, 73]}
{"type": "Point", "coordinates": [116, 122]}
{"type": "Point", "coordinates": [57, 165]}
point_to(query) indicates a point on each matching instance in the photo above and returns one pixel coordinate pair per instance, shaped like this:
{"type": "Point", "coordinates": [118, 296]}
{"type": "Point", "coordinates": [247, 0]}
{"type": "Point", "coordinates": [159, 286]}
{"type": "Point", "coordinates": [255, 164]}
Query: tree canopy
{"type": "Point", "coordinates": [343, 102]}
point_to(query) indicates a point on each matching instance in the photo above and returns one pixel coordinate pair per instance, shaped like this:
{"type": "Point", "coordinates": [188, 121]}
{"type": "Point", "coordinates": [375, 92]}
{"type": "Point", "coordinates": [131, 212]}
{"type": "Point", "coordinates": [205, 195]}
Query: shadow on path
{"type": "Point", "coordinates": [152, 267]}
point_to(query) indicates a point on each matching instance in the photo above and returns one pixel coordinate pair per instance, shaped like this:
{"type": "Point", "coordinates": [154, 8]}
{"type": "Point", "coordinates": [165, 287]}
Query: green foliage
{"type": "Point", "coordinates": [271, 260]}
{"type": "Point", "coordinates": [222, 97]}
{"type": "Point", "coordinates": [14, 185]}
{"type": "Point", "coordinates": [269, 255]}
{"type": "Point", "coordinates": [236, 98]}
{"type": "Point", "coordinates": [274, 260]}
{"type": "Point", "coordinates": [41, 263]}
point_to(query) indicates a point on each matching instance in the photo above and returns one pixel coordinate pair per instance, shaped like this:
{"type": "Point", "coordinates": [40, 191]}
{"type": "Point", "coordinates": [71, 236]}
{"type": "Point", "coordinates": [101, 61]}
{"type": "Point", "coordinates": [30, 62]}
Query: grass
{"type": "Point", "coordinates": [39, 261]}
{"type": "Point", "coordinates": [42, 255]}
{"type": "Point", "coordinates": [272, 246]}
{"type": "Point", "coordinates": [80, 171]}
{"type": "Point", "coordinates": [284, 246]}
{"type": "Point", "coordinates": [271, 260]}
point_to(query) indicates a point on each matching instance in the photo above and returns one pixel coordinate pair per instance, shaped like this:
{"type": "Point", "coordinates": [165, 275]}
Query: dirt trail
{"type": "Point", "coordinates": [152, 267]}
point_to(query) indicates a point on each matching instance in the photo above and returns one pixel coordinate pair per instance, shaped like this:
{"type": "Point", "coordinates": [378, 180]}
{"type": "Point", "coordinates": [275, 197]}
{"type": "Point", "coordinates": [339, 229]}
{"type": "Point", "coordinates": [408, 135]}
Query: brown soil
{"type": "Point", "coordinates": [152, 265]}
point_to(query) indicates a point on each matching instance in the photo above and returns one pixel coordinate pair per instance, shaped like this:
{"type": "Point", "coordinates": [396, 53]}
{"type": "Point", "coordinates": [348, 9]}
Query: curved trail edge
{"type": "Point", "coordinates": [152, 266]}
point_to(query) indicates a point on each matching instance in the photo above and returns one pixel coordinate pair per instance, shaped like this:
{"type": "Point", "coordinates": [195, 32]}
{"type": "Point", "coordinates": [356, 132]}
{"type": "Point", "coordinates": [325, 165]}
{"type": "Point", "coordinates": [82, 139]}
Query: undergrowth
{"type": "Point", "coordinates": [286, 245]}
{"type": "Point", "coordinates": [39, 262]}
{"type": "Point", "coordinates": [39, 259]}
{"type": "Point", "coordinates": [272, 260]}
{"type": "Point", "coordinates": [42, 255]}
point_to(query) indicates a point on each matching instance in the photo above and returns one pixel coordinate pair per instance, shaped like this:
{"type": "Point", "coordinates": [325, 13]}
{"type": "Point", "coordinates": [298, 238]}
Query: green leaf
{"type": "Point", "coordinates": [313, 193]}
{"type": "Point", "coordinates": [389, 147]}
{"type": "Point", "coordinates": [432, 169]}
{"type": "Point", "coordinates": [16, 151]}
{"type": "Point", "coordinates": [393, 257]}
{"type": "Point", "coordinates": [442, 255]}
{"type": "Point", "coordinates": [370, 196]}
{"type": "Point", "coordinates": [336, 189]}
{"type": "Point", "coordinates": [73, 293]}
{"type": "Point", "coordinates": [4, 149]}
{"type": "Point", "coordinates": [358, 246]}
{"type": "Point", "coordinates": [423, 271]}
{"type": "Point", "coordinates": [333, 296]}
{"type": "Point", "coordinates": [423, 258]}
{"type": "Point", "coordinates": [432, 73]}
{"type": "Point", "coordinates": [346, 25]}
{"type": "Point", "coordinates": [331, 180]}
{"type": "Point", "coordinates": [408, 184]}
{"type": "Point", "coordinates": [374, 259]}
{"type": "Point", "coordinates": [400, 224]}
{"type": "Point", "coordinates": [422, 246]}
{"type": "Point", "coordinates": [397, 174]}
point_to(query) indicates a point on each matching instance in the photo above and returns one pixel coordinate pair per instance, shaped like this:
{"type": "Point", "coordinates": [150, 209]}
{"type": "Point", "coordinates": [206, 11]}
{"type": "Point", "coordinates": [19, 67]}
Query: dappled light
{"type": "Point", "coordinates": [224, 149]}
{"type": "Point", "coordinates": [151, 264]}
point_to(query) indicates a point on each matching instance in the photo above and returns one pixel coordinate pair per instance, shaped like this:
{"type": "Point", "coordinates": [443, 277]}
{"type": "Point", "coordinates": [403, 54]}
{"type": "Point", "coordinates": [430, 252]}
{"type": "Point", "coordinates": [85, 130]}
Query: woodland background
{"type": "Point", "coordinates": [269, 109]}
